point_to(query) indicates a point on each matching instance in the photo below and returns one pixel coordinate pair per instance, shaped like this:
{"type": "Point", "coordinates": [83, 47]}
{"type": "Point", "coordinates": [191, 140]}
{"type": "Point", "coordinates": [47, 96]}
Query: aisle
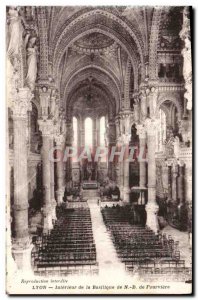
{"type": "Point", "coordinates": [109, 263]}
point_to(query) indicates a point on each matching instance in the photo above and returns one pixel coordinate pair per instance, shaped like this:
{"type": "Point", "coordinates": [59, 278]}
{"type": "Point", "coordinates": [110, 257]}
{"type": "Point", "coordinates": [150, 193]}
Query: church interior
{"type": "Point", "coordinates": [83, 77]}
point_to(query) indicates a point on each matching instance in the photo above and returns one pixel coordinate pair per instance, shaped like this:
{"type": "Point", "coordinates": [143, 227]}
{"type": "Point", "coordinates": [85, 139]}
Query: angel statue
{"type": "Point", "coordinates": [31, 63]}
{"type": "Point", "coordinates": [15, 33]}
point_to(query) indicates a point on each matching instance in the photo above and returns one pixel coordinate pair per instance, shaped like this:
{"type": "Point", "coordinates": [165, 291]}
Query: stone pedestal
{"type": "Point", "coordinates": [21, 106]}
{"type": "Point", "coordinates": [152, 220]}
{"type": "Point", "coordinates": [21, 251]}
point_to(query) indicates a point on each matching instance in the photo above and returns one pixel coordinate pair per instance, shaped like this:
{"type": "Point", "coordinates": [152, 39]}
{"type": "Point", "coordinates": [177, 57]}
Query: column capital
{"type": "Point", "coordinates": [141, 131]}
{"type": "Point", "coordinates": [22, 103]}
{"type": "Point", "coordinates": [46, 127]}
{"type": "Point", "coordinates": [127, 113]}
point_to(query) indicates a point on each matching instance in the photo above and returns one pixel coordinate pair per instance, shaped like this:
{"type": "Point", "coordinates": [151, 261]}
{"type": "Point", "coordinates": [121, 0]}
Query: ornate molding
{"type": "Point", "coordinates": [154, 36]}
{"type": "Point", "coordinates": [186, 52]}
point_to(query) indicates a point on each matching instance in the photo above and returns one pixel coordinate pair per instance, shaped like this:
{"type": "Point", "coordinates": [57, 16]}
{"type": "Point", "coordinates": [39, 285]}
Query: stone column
{"type": "Point", "coordinates": [126, 122]}
{"type": "Point", "coordinates": [181, 185]}
{"type": "Point", "coordinates": [151, 207]}
{"type": "Point", "coordinates": [117, 126]}
{"type": "Point", "coordinates": [111, 141]}
{"type": "Point", "coordinates": [142, 158]}
{"type": "Point", "coordinates": [52, 184]}
{"type": "Point", "coordinates": [174, 183]}
{"type": "Point", "coordinates": [121, 179]}
{"type": "Point", "coordinates": [21, 244]}
{"type": "Point", "coordinates": [169, 183]}
{"type": "Point", "coordinates": [188, 181]}
{"type": "Point", "coordinates": [69, 140]}
{"type": "Point", "coordinates": [126, 189]}
{"type": "Point", "coordinates": [59, 168]}
{"type": "Point", "coordinates": [46, 127]}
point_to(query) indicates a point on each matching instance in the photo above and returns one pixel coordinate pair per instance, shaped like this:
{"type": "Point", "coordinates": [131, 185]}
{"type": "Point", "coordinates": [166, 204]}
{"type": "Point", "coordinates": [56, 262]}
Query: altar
{"type": "Point", "coordinates": [90, 185]}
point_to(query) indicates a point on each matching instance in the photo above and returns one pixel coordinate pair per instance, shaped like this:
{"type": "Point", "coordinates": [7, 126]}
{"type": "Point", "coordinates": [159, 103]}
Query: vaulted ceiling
{"type": "Point", "coordinates": [115, 46]}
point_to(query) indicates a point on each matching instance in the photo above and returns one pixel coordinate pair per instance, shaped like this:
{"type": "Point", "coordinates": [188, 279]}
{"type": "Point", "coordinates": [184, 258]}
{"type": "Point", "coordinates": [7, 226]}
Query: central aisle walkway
{"type": "Point", "coordinates": [109, 263]}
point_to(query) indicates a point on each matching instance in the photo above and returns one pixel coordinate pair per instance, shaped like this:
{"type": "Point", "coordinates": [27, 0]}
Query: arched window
{"type": "Point", "coordinates": [75, 131]}
{"type": "Point", "coordinates": [161, 133]}
{"type": "Point", "coordinates": [88, 132]}
{"type": "Point", "coordinates": [102, 131]}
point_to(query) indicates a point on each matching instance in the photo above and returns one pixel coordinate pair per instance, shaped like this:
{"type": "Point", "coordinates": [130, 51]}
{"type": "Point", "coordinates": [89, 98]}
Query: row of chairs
{"type": "Point", "coordinates": [141, 250]}
{"type": "Point", "coordinates": [69, 248]}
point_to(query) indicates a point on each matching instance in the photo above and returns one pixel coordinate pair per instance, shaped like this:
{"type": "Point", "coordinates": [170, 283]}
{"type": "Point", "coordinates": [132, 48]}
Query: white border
{"type": "Point", "coordinates": [3, 4]}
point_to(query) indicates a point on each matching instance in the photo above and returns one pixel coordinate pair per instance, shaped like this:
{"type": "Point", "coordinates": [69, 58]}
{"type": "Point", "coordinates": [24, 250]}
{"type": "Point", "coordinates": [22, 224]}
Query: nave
{"type": "Point", "coordinates": [99, 105]}
{"type": "Point", "coordinates": [97, 241]}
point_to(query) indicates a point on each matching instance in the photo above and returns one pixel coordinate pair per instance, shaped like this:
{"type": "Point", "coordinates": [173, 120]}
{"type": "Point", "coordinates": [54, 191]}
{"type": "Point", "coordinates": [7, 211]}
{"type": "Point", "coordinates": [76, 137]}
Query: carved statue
{"type": "Point", "coordinates": [15, 32]}
{"type": "Point", "coordinates": [32, 64]}
{"type": "Point", "coordinates": [54, 107]}
{"type": "Point", "coordinates": [176, 146]}
{"type": "Point", "coordinates": [169, 143]}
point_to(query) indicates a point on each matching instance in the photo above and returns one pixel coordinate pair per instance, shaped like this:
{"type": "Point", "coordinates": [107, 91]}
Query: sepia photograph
{"type": "Point", "coordinates": [99, 117]}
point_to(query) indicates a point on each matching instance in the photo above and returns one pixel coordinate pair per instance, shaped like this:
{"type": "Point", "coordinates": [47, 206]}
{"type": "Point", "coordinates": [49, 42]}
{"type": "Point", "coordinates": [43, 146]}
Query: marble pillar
{"type": "Point", "coordinates": [52, 183]}
{"type": "Point", "coordinates": [169, 173]}
{"type": "Point", "coordinates": [151, 207]}
{"type": "Point", "coordinates": [142, 159]}
{"type": "Point", "coordinates": [126, 189]}
{"type": "Point", "coordinates": [59, 169]}
{"type": "Point", "coordinates": [46, 127]}
{"type": "Point", "coordinates": [22, 246]}
{"type": "Point", "coordinates": [126, 119]}
{"type": "Point", "coordinates": [181, 185]}
{"type": "Point", "coordinates": [174, 183]}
